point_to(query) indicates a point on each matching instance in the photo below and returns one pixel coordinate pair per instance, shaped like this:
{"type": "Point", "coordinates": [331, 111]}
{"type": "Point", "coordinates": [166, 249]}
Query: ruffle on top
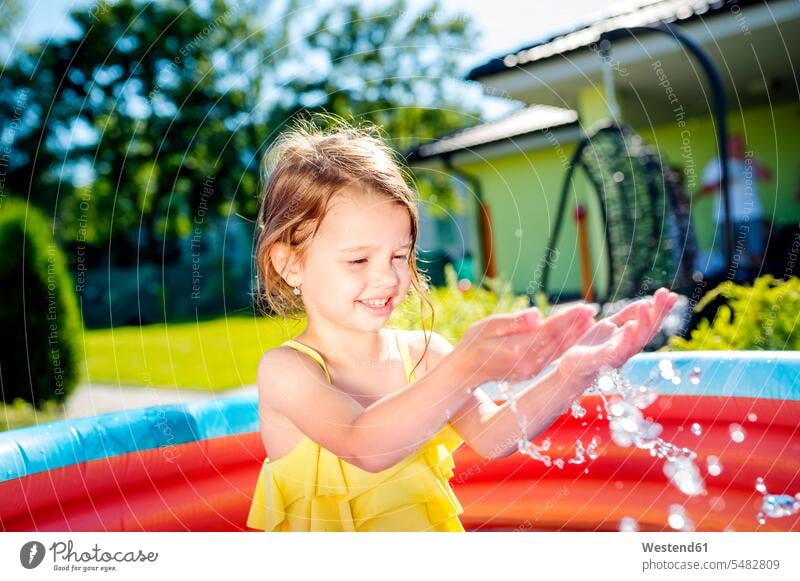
{"type": "Point", "coordinates": [312, 489]}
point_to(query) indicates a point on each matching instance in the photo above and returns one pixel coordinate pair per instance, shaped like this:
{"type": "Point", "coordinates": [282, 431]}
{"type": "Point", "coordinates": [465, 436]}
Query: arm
{"type": "Point", "coordinates": [708, 189]}
{"type": "Point", "coordinates": [493, 430]}
{"type": "Point", "coordinates": [374, 438]}
{"type": "Point", "coordinates": [393, 427]}
{"type": "Point", "coordinates": [763, 172]}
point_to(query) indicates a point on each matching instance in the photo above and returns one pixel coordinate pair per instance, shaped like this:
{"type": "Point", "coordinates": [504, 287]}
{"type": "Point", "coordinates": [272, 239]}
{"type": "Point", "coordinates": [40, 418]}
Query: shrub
{"type": "Point", "coordinates": [21, 414]}
{"type": "Point", "coordinates": [39, 311]}
{"type": "Point", "coordinates": [762, 317]}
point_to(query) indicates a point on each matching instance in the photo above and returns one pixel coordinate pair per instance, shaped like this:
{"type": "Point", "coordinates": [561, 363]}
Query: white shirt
{"type": "Point", "coordinates": [742, 188]}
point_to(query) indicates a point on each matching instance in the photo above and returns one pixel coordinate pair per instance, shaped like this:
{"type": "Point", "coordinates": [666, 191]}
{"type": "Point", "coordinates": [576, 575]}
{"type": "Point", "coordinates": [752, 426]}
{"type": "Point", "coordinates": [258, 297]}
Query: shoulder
{"type": "Point", "coordinates": [281, 373]}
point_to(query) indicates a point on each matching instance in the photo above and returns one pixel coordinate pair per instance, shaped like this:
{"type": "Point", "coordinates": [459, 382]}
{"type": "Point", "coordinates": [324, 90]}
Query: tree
{"type": "Point", "coordinates": [155, 114]}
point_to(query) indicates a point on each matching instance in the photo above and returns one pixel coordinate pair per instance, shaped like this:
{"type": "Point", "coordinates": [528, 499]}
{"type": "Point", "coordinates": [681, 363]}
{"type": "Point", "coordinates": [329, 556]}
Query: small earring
{"type": "Point", "coordinates": [296, 290]}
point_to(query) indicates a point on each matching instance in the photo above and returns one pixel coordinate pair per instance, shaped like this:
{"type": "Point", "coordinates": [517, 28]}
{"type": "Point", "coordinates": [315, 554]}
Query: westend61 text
{"type": "Point", "coordinates": [675, 548]}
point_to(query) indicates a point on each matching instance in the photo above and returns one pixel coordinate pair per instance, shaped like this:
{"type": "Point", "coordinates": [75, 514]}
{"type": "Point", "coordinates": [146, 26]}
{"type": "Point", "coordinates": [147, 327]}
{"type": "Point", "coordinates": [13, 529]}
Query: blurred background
{"type": "Point", "coordinates": [559, 155]}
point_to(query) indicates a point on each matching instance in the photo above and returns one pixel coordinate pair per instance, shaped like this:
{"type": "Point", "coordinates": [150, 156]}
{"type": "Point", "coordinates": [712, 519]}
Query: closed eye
{"type": "Point", "coordinates": [363, 260]}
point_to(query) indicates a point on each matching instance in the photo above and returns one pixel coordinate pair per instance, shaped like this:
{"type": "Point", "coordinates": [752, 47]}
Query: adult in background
{"type": "Point", "coordinates": [747, 213]}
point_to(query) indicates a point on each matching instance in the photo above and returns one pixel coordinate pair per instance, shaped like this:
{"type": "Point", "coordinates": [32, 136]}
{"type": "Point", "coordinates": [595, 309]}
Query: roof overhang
{"type": "Point", "coordinates": [753, 46]}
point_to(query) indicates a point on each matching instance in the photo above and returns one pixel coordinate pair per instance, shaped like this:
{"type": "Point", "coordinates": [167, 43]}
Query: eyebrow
{"type": "Point", "coordinates": [406, 245]}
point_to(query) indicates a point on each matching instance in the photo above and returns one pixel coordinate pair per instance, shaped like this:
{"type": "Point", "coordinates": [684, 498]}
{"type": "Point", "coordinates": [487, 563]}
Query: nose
{"type": "Point", "coordinates": [386, 277]}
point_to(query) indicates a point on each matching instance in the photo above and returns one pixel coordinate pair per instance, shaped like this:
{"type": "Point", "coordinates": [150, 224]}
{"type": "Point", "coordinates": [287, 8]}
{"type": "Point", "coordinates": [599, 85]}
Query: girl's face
{"type": "Point", "coordinates": [360, 254]}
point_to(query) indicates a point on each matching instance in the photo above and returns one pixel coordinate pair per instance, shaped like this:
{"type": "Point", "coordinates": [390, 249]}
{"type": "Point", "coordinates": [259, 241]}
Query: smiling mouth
{"type": "Point", "coordinates": [376, 304]}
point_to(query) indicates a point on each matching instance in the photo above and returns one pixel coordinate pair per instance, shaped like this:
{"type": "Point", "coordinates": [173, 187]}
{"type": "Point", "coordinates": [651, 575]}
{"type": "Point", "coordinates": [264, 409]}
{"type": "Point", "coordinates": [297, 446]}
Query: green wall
{"type": "Point", "coordinates": [772, 134]}
{"type": "Point", "coordinates": [522, 192]}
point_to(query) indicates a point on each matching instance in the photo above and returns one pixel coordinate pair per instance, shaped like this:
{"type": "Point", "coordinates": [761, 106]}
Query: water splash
{"type": "Point", "coordinates": [776, 505]}
{"type": "Point", "coordinates": [666, 369]}
{"type": "Point", "coordinates": [697, 429]}
{"type": "Point", "coordinates": [694, 376]}
{"type": "Point", "coordinates": [685, 475]}
{"type": "Point", "coordinates": [581, 453]}
{"type": "Point", "coordinates": [622, 403]}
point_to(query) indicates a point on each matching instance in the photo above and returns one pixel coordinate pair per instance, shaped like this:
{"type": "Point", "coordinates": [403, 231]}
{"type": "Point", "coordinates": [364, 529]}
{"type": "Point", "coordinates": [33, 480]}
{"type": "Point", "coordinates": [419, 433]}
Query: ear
{"type": "Point", "coordinates": [284, 261]}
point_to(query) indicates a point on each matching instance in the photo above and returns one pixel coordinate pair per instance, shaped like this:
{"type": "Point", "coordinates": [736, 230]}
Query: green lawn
{"type": "Point", "coordinates": [212, 355]}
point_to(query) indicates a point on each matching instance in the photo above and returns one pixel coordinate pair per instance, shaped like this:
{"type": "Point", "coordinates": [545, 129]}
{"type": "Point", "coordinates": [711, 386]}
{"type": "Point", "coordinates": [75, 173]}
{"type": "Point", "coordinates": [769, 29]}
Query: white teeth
{"type": "Point", "coordinates": [378, 303]}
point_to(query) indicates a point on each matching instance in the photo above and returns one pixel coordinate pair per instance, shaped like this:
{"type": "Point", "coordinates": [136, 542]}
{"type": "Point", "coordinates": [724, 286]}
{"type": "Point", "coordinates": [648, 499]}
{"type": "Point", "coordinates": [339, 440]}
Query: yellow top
{"type": "Point", "coordinates": [312, 489]}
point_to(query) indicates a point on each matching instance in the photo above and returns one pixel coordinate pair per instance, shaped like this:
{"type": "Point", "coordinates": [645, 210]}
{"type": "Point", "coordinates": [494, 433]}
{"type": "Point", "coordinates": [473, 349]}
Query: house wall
{"type": "Point", "coordinates": [773, 135]}
{"type": "Point", "coordinates": [522, 192]}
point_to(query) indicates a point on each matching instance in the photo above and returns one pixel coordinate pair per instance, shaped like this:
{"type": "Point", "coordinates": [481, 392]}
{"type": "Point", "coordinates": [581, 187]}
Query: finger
{"type": "Point", "coordinates": [628, 313]}
{"type": "Point", "coordinates": [564, 341]}
{"type": "Point", "coordinates": [629, 344]}
{"type": "Point", "coordinates": [665, 303]}
{"type": "Point", "coordinates": [511, 323]}
{"type": "Point", "coordinates": [565, 320]}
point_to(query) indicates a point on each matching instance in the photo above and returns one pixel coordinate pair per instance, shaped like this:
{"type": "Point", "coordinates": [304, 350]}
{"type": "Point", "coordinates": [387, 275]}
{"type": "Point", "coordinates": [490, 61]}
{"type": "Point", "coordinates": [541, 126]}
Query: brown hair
{"type": "Point", "coordinates": [302, 171]}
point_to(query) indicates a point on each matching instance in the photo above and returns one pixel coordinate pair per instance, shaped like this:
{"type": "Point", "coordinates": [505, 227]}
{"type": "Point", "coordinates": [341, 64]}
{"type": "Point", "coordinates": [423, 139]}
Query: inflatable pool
{"type": "Point", "coordinates": [193, 467]}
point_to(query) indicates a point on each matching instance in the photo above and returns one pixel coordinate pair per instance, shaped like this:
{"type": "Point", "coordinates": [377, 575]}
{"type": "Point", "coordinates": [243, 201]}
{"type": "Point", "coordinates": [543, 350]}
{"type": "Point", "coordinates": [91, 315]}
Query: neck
{"type": "Point", "coordinates": [346, 348]}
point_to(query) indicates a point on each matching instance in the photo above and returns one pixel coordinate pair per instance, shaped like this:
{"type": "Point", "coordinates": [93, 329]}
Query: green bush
{"type": "Point", "coordinates": [39, 315]}
{"type": "Point", "coordinates": [21, 414]}
{"type": "Point", "coordinates": [759, 317]}
{"type": "Point", "coordinates": [455, 309]}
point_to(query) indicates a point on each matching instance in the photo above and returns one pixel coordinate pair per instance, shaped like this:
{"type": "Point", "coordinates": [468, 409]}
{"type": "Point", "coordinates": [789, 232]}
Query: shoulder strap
{"type": "Point", "coordinates": [310, 352]}
{"type": "Point", "coordinates": [402, 346]}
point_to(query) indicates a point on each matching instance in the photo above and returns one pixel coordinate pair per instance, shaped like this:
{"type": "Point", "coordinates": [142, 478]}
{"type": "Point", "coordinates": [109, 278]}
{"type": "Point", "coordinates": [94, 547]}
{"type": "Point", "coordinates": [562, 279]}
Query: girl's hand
{"type": "Point", "coordinates": [612, 341]}
{"type": "Point", "coordinates": [518, 346]}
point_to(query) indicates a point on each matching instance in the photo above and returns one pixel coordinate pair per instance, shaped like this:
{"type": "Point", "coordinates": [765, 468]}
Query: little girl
{"type": "Point", "coordinates": [360, 421]}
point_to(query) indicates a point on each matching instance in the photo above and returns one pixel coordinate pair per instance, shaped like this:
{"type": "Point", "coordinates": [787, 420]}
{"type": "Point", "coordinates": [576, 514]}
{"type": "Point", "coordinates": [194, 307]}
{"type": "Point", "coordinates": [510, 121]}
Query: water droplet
{"type": "Point", "coordinates": [667, 372]}
{"type": "Point", "coordinates": [559, 463]}
{"type": "Point", "coordinates": [605, 383]}
{"type": "Point", "coordinates": [676, 379]}
{"type": "Point", "coordinates": [577, 410]}
{"type": "Point", "coordinates": [762, 520]}
{"type": "Point", "coordinates": [591, 451]}
{"type": "Point", "coordinates": [760, 486]}
{"type": "Point", "coordinates": [780, 505]}
{"type": "Point", "coordinates": [696, 429]}
{"type": "Point", "coordinates": [713, 465]}
{"type": "Point", "coordinates": [717, 504]}
{"type": "Point", "coordinates": [694, 375]}
{"type": "Point", "coordinates": [751, 417]}
{"type": "Point", "coordinates": [628, 525]}
{"type": "Point", "coordinates": [678, 519]}
{"type": "Point", "coordinates": [737, 433]}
